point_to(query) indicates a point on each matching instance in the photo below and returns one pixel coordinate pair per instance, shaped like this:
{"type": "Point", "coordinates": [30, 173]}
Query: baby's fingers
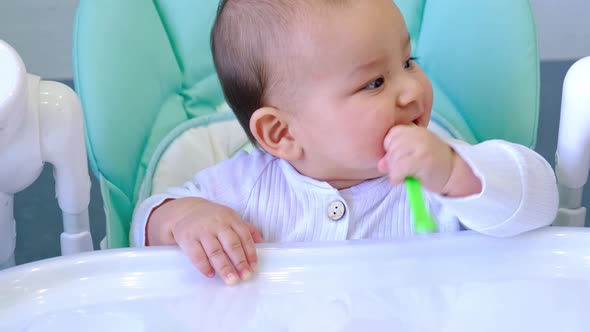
{"type": "Point", "coordinates": [255, 233]}
{"type": "Point", "coordinates": [194, 250]}
{"type": "Point", "coordinates": [234, 248]}
{"type": "Point", "coordinates": [245, 231]}
{"type": "Point", "coordinates": [219, 260]}
{"type": "Point", "coordinates": [398, 163]}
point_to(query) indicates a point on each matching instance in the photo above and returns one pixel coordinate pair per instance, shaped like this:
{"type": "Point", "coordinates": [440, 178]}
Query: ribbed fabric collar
{"type": "Point", "coordinates": [375, 188]}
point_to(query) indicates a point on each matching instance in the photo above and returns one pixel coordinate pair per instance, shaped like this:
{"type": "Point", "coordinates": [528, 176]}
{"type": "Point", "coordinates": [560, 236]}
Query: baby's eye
{"type": "Point", "coordinates": [375, 84]}
{"type": "Point", "coordinates": [408, 63]}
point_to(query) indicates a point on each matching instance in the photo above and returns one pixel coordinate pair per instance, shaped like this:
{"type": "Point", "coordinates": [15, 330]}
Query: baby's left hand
{"type": "Point", "coordinates": [415, 151]}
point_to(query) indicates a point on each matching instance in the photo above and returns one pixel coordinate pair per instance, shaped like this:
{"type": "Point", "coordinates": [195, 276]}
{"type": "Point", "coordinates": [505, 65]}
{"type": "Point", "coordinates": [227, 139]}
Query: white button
{"type": "Point", "coordinates": [336, 210]}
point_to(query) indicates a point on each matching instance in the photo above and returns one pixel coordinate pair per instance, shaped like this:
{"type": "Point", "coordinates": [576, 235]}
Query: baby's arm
{"type": "Point", "coordinates": [202, 217]}
{"type": "Point", "coordinates": [519, 189]}
{"type": "Point", "coordinates": [213, 236]}
{"type": "Point", "coordinates": [496, 187]}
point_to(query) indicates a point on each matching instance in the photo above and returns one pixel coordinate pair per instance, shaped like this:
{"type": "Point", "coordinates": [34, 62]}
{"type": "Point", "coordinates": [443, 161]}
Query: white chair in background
{"type": "Point", "coordinates": [41, 121]}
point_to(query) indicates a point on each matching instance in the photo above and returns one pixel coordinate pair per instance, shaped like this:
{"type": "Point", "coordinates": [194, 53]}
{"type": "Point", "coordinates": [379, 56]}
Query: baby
{"type": "Point", "coordinates": [329, 92]}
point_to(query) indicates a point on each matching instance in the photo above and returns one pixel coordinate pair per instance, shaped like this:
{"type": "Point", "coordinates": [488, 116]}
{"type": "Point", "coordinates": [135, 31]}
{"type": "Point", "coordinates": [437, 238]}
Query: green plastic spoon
{"type": "Point", "coordinates": [423, 221]}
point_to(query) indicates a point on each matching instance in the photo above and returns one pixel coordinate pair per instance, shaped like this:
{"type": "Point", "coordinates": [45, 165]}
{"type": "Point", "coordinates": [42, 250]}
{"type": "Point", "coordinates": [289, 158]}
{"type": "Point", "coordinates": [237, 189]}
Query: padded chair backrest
{"type": "Point", "coordinates": [143, 67]}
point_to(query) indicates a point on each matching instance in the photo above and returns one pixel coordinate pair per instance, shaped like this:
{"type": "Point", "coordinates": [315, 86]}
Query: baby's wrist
{"type": "Point", "coordinates": [159, 220]}
{"type": "Point", "coordinates": [462, 181]}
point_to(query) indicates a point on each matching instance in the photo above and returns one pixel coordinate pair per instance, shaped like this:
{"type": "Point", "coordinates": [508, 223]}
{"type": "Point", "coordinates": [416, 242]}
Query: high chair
{"type": "Point", "coordinates": [41, 121]}
{"type": "Point", "coordinates": [155, 112]}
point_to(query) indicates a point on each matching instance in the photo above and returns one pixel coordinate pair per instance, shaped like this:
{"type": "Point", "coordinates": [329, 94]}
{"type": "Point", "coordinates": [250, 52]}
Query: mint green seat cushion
{"type": "Point", "coordinates": [142, 68]}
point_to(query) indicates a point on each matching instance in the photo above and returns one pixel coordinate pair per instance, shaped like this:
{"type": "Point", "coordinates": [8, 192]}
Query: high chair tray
{"type": "Point", "coordinates": [463, 282]}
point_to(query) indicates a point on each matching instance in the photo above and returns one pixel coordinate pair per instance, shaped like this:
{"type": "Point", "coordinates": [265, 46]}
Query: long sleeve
{"type": "Point", "coordinates": [228, 183]}
{"type": "Point", "coordinates": [519, 189]}
{"type": "Point", "coordinates": [144, 210]}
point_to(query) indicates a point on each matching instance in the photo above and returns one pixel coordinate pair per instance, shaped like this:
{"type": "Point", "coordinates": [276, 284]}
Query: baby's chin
{"type": "Point", "coordinates": [368, 173]}
{"type": "Point", "coordinates": [352, 180]}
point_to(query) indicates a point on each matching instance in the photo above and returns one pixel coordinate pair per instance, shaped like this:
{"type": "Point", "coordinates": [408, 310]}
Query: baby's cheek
{"type": "Point", "coordinates": [368, 146]}
{"type": "Point", "coordinates": [377, 150]}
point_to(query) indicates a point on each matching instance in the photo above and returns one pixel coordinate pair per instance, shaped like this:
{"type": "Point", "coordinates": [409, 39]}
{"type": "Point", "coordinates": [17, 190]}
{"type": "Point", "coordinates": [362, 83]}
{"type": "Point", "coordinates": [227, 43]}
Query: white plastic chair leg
{"type": "Point", "coordinates": [7, 231]}
{"type": "Point", "coordinates": [63, 145]}
{"type": "Point", "coordinates": [570, 213]}
{"type": "Point", "coordinates": [8, 263]}
{"type": "Point", "coordinates": [572, 159]}
{"type": "Point", "coordinates": [570, 217]}
{"type": "Point", "coordinates": [103, 244]}
{"type": "Point", "coordinates": [76, 236]}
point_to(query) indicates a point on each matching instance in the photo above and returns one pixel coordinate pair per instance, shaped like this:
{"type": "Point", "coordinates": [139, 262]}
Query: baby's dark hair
{"type": "Point", "coordinates": [248, 41]}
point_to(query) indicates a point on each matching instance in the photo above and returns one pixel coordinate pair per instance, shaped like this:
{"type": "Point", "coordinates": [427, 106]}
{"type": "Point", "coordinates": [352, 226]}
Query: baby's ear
{"type": "Point", "coordinates": [270, 127]}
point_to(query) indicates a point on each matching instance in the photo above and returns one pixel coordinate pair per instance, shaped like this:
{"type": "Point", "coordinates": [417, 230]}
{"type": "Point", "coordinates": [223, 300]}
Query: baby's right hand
{"type": "Point", "coordinates": [213, 236]}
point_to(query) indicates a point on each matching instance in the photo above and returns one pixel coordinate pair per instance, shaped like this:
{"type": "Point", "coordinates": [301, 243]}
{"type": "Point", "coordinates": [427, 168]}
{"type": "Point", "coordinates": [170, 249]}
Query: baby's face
{"type": "Point", "coordinates": [355, 81]}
